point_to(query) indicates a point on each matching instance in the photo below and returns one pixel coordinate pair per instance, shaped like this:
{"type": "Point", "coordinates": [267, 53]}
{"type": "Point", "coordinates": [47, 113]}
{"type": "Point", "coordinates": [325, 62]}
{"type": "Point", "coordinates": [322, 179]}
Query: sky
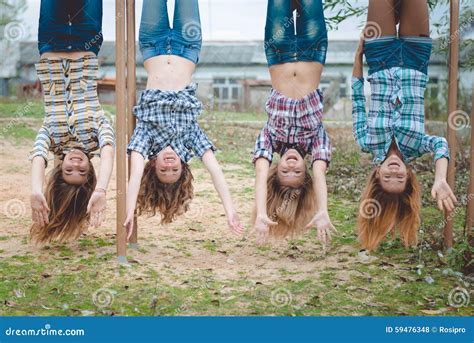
{"type": "Point", "coordinates": [222, 20]}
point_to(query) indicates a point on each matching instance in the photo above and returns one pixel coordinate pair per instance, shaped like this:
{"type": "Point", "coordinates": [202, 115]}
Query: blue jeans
{"type": "Point", "coordinates": [70, 25]}
{"type": "Point", "coordinates": [310, 41]}
{"type": "Point", "coordinates": [158, 38]}
{"type": "Point", "coordinates": [389, 51]}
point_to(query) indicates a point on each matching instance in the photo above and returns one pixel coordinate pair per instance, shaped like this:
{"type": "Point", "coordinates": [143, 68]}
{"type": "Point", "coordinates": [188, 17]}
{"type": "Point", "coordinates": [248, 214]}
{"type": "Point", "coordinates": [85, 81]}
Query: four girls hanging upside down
{"type": "Point", "coordinates": [393, 131]}
{"type": "Point", "coordinates": [74, 126]}
{"type": "Point", "coordinates": [290, 193]}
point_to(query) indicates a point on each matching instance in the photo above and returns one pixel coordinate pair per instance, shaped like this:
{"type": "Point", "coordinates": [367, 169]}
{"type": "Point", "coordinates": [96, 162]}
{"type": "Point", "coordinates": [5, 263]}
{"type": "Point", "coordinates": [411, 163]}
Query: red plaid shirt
{"type": "Point", "coordinates": [293, 122]}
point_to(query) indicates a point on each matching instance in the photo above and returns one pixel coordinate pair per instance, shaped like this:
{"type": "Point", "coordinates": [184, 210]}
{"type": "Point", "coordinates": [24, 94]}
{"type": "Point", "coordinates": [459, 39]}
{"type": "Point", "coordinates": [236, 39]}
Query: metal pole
{"type": "Point", "coordinates": [131, 89]}
{"type": "Point", "coordinates": [452, 107]}
{"type": "Point", "coordinates": [120, 100]}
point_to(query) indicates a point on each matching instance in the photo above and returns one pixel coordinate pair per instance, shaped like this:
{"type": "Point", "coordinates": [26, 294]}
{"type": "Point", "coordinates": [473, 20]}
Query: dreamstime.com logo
{"type": "Point", "coordinates": [103, 297]}
{"type": "Point", "coordinates": [459, 120]}
{"type": "Point", "coordinates": [194, 212]}
{"type": "Point", "coordinates": [281, 297]}
{"type": "Point", "coordinates": [14, 208]}
{"type": "Point", "coordinates": [459, 297]}
{"type": "Point", "coordinates": [371, 31]}
{"type": "Point", "coordinates": [370, 208]}
{"type": "Point", "coordinates": [192, 31]}
{"type": "Point", "coordinates": [14, 31]}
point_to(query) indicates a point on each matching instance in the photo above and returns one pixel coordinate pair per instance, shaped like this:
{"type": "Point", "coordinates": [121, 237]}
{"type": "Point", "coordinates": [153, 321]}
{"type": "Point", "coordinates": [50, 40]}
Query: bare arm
{"type": "Point", "coordinates": [38, 166]}
{"type": "Point", "coordinates": [358, 69]}
{"type": "Point", "coordinates": [98, 201]}
{"type": "Point", "coordinates": [321, 219]}
{"type": "Point", "coordinates": [441, 191]}
{"type": "Point", "coordinates": [319, 181]}
{"type": "Point", "coordinates": [214, 169]}
{"type": "Point", "coordinates": [262, 221]}
{"type": "Point", "coordinates": [39, 206]}
{"type": "Point", "coordinates": [106, 166]}
{"type": "Point", "coordinates": [136, 173]}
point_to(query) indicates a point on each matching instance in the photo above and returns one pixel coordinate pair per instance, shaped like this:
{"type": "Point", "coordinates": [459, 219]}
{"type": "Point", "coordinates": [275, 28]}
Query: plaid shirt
{"type": "Point", "coordinates": [169, 118]}
{"type": "Point", "coordinates": [294, 122]}
{"type": "Point", "coordinates": [74, 117]}
{"type": "Point", "coordinates": [396, 112]}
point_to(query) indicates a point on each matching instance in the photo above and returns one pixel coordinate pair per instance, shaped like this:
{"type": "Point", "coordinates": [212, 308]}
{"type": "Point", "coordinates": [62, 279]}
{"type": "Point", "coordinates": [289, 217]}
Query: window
{"type": "Point", "coordinates": [227, 92]}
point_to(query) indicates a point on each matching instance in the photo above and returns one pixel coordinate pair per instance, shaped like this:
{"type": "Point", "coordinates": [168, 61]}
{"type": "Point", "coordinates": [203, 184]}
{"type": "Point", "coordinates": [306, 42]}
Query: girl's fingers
{"type": "Point", "coordinates": [446, 205]}
{"type": "Point", "coordinates": [440, 204]}
{"type": "Point", "coordinates": [45, 217]}
{"type": "Point", "coordinates": [451, 203]}
{"type": "Point", "coordinates": [453, 197]}
{"type": "Point", "coordinates": [433, 193]}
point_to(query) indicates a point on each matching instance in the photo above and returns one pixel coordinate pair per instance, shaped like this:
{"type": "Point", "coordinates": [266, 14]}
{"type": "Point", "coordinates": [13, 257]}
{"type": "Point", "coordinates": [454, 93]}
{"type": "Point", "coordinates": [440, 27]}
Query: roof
{"type": "Point", "coordinates": [224, 53]}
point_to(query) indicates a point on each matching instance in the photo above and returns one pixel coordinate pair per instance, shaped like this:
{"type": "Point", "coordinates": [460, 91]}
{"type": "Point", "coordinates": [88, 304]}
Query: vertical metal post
{"type": "Point", "coordinates": [452, 107]}
{"type": "Point", "coordinates": [131, 89]}
{"type": "Point", "coordinates": [121, 106]}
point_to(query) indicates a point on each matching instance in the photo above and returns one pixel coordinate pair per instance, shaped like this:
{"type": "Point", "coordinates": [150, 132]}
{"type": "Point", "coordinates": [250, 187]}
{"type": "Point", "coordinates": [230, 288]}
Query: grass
{"type": "Point", "coordinates": [85, 280]}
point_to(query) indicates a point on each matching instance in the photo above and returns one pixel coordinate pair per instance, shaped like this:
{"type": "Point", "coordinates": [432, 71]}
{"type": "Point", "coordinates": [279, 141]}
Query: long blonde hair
{"type": "Point", "coordinates": [68, 217]}
{"type": "Point", "coordinates": [292, 208]}
{"type": "Point", "coordinates": [381, 212]}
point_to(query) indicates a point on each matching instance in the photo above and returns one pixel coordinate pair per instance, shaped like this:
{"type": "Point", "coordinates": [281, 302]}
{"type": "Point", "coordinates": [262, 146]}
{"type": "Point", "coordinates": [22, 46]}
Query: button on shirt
{"type": "Point", "coordinates": [74, 117]}
{"type": "Point", "coordinates": [169, 118]}
{"type": "Point", "coordinates": [294, 122]}
{"type": "Point", "coordinates": [396, 112]}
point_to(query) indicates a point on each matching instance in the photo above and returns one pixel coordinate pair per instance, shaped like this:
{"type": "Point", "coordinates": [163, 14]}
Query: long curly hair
{"type": "Point", "coordinates": [68, 217]}
{"type": "Point", "coordinates": [291, 207]}
{"type": "Point", "coordinates": [169, 200]}
{"type": "Point", "coordinates": [381, 212]}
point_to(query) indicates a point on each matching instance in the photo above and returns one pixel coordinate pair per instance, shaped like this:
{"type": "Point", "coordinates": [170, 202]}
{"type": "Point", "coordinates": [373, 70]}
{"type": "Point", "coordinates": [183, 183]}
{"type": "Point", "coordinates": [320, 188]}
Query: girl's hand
{"type": "Point", "coordinates": [234, 224]}
{"type": "Point", "coordinates": [39, 209]}
{"type": "Point", "coordinates": [323, 224]}
{"type": "Point", "coordinates": [96, 207]}
{"type": "Point", "coordinates": [262, 223]}
{"type": "Point", "coordinates": [444, 195]}
{"type": "Point", "coordinates": [129, 224]}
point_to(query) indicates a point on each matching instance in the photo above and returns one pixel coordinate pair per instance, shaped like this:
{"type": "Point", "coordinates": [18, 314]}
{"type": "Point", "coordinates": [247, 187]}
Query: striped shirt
{"type": "Point", "coordinates": [294, 122]}
{"type": "Point", "coordinates": [74, 118]}
{"type": "Point", "coordinates": [169, 118]}
{"type": "Point", "coordinates": [396, 112]}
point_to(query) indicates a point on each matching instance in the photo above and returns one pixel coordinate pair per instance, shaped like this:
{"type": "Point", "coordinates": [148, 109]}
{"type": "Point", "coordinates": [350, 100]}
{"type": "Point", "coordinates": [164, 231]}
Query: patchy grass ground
{"type": "Point", "coordinates": [196, 267]}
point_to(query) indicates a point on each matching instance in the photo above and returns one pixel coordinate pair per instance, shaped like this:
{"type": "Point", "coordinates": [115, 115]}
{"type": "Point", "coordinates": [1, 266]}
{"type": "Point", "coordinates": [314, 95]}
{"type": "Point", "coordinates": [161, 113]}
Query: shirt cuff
{"type": "Point", "coordinates": [262, 153]}
{"type": "Point", "coordinates": [443, 151]}
{"type": "Point", "coordinates": [357, 83]}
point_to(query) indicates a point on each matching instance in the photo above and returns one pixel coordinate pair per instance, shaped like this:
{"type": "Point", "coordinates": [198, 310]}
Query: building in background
{"type": "Point", "coordinates": [234, 76]}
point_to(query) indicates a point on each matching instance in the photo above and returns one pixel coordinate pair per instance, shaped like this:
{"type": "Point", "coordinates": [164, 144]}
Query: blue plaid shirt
{"type": "Point", "coordinates": [396, 112]}
{"type": "Point", "coordinates": [169, 118]}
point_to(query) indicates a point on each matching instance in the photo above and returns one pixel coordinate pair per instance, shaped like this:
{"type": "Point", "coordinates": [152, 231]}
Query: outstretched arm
{"type": "Point", "coordinates": [98, 201]}
{"type": "Point", "coordinates": [441, 191]}
{"type": "Point", "coordinates": [214, 169]}
{"type": "Point", "coordinates": [321, 219]}
{"type": "Point", "coordinates": [262, 221]}
{"type": "Point", "coordinates": [39, 206]}
{"type": "Point", "coordinates": [136, 172]}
